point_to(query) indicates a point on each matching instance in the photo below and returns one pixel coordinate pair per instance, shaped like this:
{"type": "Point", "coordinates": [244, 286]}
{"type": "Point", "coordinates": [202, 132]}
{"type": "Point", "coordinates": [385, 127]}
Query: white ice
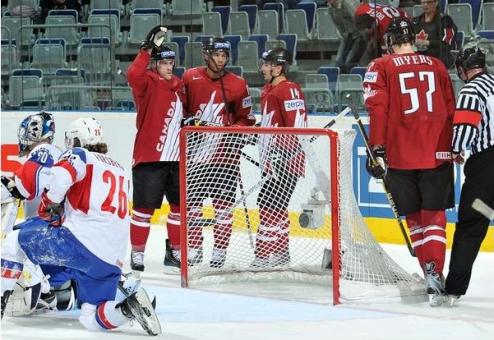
{"type": "Point", "coordinates": [188, 314]}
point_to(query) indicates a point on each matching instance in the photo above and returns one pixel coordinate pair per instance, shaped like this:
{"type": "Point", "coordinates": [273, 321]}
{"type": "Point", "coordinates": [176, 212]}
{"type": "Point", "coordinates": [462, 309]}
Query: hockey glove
{"type": "Point", "coordinates": [379, 167]}
{"type": "Point", "coordinates": [157, 35]}
{"type": "Point", "coordinates": [50, 211]}
{"type": "Point", "coordinates": [190, 121]}
{"type": "Point", "coordinates": [11, 188]}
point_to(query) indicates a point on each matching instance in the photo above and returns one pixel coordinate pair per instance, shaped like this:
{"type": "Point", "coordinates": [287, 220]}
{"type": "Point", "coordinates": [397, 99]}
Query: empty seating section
{"type": "Point", "coordinates": [251, 11]}
{"type": "Point", "coordinates": [95, 56]}
{"type": "Point", "coordinates": [105, 23]}
{"type": "Point", "coordinates": [487, 15]}
{"type": "Point", "coordinates": [186, 7]}
{"type": "Point", "coordinates": [193, 54]}
{"type": "Point", "coordinates": [296, 23]}
{"type": "Point", "coordinates": [224, 12]}
{"type": "Point", "coordinates": [325, 27]}
{"type": "Point", "coordinates": [239, 24]}
{"type": "Point", "coordinates": [67, 20]}
{"type": "Point", "coordinates": [280, 9]}
{"type": "Point", "coordinates": [211, 24]}
{"type": "Point", "coordinates": [310, 13]}
{"type": "Point", "coordinates": [267, 23]}
{"type": "Point", "coordinates": [476, 6]}
{"type": "Point", "coordinates": [180, 41]}
{"type": "Point", "coordinates": [141, 22]}
{"type": "Point", "coordinates": [49, 55]}
{"type": "Point", "coordinates": [26, 88]}
{"type": "Point", "coordinates": [261, 40]}
{"type": "Point", "coordinates": [9, 56]}
{"type": "Point", "coordinates": [248, 55]}
{"type": "Point", "coordinates": [462, 16]}
{"type": "Point", "coordinates": [233, 40]}
{"type": "Point", "coordinates": [20, 29]}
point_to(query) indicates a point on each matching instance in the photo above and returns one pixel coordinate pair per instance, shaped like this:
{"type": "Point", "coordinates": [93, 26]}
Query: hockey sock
{"type": "Point", "coordinates": [283, 239]}
{"type": "Point", "coordinates": [415, 226]}
{"type": "Point", "coordinates": [173, 226]}
{"type": "Point", "coordinates": [434, 243]}
{"type": "Point", "coordinates": [195, 227]}
{"type": "Point", "coordinates": [223, 226]}
{"type": "Point", "coordinates": [108, 316]}
{"type": "Point", "coordinates": [269, 232]}
{"type": "Point", "coordinates": [140, 223]}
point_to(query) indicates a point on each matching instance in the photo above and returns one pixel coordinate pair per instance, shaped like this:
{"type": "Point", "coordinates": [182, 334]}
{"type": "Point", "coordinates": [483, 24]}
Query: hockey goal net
{"type": "Point", "coordinates": [278, 204]}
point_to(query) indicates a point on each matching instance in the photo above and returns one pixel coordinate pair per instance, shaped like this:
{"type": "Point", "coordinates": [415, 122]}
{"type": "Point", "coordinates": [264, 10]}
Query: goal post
{"type": "Point", "coordinates": [277, 204]}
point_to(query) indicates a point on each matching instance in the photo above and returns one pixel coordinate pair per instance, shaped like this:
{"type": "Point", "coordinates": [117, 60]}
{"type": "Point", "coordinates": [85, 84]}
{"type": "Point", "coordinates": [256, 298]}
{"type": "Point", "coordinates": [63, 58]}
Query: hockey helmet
{"type": "Point", "coordinates": [278, 56]}
{"type": "Point", "coordinates": [162, 53]}
{"type": "Point", "coordinates": [470, 58]}
{"type": "Point", "coordinates": [34, 129]}
{"type": "Point", "coordinates": [82, 132]}
{"type": "Point", "coordinates": [400, 31]}
{"type": "Point", "coordinates": [215, 45]}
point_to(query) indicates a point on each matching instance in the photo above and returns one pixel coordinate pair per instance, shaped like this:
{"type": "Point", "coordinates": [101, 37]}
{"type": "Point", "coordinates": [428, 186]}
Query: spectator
{"type": "Point", "coordinates": [353, 44]}
{"type": "Point", "coordinates": [48, 5]}
{"type": "Point", "coordinates": [434, 32]}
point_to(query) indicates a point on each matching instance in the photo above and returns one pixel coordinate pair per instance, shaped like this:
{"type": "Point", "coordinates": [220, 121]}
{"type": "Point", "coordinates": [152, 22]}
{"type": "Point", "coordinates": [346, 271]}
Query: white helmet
{"type": "Point", "coordinates": [83, 131]}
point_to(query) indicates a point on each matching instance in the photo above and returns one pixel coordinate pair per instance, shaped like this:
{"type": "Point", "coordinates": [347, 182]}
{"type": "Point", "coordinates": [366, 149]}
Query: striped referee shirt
{"type": "Point", "coordinates": [473, 123]}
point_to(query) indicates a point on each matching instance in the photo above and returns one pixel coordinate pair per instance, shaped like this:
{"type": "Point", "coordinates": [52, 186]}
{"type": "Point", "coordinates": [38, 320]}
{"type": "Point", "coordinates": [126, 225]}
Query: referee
{"type": "Point", "coordinates": [473, 127]}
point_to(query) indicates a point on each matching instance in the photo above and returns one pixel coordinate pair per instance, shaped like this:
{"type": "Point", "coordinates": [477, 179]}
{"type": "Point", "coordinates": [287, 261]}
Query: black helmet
{"type": "Point", "coordinates": [470, 58]}
{"type": "Point", "coordinates": [216, 44]}
{"type": "Point", "coordinates": [400, 31]}
{"type": "Point", "coordinates": [162, 53]}
{"type": "Point", "coordinates": [278, 56]}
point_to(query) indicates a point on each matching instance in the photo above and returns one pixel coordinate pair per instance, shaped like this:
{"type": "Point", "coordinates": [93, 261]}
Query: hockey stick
{"type": "Point", "coordinates": [246, 211]}
{"type": "Point", "coordinates": [483, 208]}
{"type": "Point", "coordinates": [373, 160]}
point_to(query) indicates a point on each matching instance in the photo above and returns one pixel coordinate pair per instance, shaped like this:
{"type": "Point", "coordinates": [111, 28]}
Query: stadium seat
{"type": "Point", "coordinates": [95, 56]}
{"type": "Point", "coordinates": [248, 55]}
{"type": "Point", "coordinates": [63, 17]}
{"type": "Point", "coordinates": [179, 71]}
{"type": "Point", "coordinates": [271, 44]}
{"type": "Point", "coordinates": [107, 4]}
{"type": "Point", "coordinates": [332, 72]}
{"type": "Point", "coordinates": [255, 94]}
{"type": "Point", "coordinates": [261, 42]}
{"type": "Point", "coordinates": [211, 24]}
{"type": "Point", "coordinates": [147, 4]}
{"type": "Point", "coordinates": [25, 88]}
{"type": "Point", "coordinates": [487, 15]}
{"type": "Point", "coordinates": [291, 44]}
{"type": "Point", "coordinates": [239, 24]}
{"type": "Point", "coordinates": [350, 84]}
{"type": "Point", "coordinates": [457, 83]}
{"type": "Point", "coordinates": [417, 10]}
{"type": "Point", "coordinates": [141, 22]}
{"type": "Point", "coordinates": [325, 27]}
{"type": "Point", "coordinates": [29, 3]}
{"type": "Point", "coordinates": [296, 23]}
{"type": "Point", "coordinates": [459, 40]}
{"type": "Point", "coordinates": [318, 100]}
{"type": "Point", "coordinates": [462, 16]}
{"type": "Point", "coordinates": [24, 36]}
{"type": "Point", "coordinates": [181, 41]}
{"type": "Point", "coordinates": [100, 20]}
{"type": "Point", "coordinates": [174, 47]}
{"type": "Point", "coordinates": [361, 70]}
{"type": "Point", "coordinates": [203, 39]}
{"type": "Point", "coordinates": [186, 7]}
{"type": "Point", "coordinates": [193, 54]}
{"type": "Point", "coordinates": [280, 9]}
{"type": "Point", "coordinates": [476, 9]}
{"type": "Point", "coordinates": [316, 81]}
{"type": "Point", "coordinates": [9, 56]}
{"type": "Point", "coordinates": [251, 11]}
{"type": "Point", "coordinates": [489, 35]}
{"type": "Point", "coordinates": [69, 97]}
{"type": "Point", "coordinates": [443, 5]}
{"type": "Point", "coordinates": [238, 70]}
{"type": "Point", "coordinates": [267, 23]}
{"type": "Point", "coordinates": [224, 12]}
{"type": "Point", "coordinates": [310, 12]}
{"type": "Point", "coordinates": [49, 55]}
{"type": "Point", "coordinates": [233, 40]}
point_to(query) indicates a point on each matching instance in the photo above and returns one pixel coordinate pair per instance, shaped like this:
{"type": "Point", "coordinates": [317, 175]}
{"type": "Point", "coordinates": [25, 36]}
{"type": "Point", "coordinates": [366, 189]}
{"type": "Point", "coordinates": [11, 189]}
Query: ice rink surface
{"type": "Point", "coordinates": [275, 311]}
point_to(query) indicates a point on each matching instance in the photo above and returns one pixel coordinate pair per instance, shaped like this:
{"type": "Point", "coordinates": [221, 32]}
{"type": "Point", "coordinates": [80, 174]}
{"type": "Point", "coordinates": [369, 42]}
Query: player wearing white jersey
{"type": "Point", "coordinates": [87, 209]}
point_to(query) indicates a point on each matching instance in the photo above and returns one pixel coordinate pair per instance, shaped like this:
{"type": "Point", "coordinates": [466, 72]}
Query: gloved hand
{"type": "Point", "coordinates": [380, 167]}
{"type": "Point", "coordinates": [12, 188]}
{"type": "Point", "coordinates": [148, 46]}
{"type": "Point", "coordinates": [190, 121]}
{"type": "Point", "coordinates": [50, 211]}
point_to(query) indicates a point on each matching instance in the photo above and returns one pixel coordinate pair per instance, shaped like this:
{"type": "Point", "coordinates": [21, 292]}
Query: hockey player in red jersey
{"type": "Point", "coordinates": [282, 158]}
{"type": "Point", "coordinates": [155, 159]}
{"type": "Point", "coordinates": [410, 100]}
{"type": "Point", "coordinates": [375, 19]}
{"type": "Point", "coordinates": [214, 96]}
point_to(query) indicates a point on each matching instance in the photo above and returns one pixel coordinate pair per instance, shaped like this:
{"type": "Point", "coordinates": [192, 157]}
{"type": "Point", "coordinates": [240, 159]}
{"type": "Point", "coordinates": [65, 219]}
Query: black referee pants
{"type": "Point", "coordinates": [472, 226]}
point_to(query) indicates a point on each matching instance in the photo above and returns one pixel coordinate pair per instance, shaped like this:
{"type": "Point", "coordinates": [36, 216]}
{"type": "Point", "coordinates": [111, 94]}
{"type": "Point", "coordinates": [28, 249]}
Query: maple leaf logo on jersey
{"type": "Point", "coordinates": [211, 112]}
{"type": "Point", "coordinates": [422, 35]}
{"type": "Point", "coordinates": [267, 118]}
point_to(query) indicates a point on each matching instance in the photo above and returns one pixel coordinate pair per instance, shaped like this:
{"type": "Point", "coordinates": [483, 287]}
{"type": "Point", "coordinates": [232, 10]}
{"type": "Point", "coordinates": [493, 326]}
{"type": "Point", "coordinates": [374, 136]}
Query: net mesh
{"type": "Point", "coordinates": [258, 207]}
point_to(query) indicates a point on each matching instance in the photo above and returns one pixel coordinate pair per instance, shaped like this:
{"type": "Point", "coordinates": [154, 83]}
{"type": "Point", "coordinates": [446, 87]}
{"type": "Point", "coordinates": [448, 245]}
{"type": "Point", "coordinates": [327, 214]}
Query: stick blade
{"type": "Point", "coordinates": [483, 208]}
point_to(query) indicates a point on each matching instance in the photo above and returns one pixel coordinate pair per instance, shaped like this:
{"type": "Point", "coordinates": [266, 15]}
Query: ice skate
{"type": "Point", "coordinates": [172, 259]}
{"type": "Point", "coordinates": [5, 300]}
{"type": "Point", "coordinates": [218, 258]}
{"type": "Point", "coordinates": [139, 307]}
{"type": "Point", "coordinates": [434, 285]}
{"type": "Point", "coordinates": [137, 262]}
{"type": "Point", "coordinates": [195, 256]}
{"type": "Point", "coordinates": [259, 263]}
{"type": "Point", "coordinates": [452, 300]}
{"type": "Point", "coordinates": [281, 259]}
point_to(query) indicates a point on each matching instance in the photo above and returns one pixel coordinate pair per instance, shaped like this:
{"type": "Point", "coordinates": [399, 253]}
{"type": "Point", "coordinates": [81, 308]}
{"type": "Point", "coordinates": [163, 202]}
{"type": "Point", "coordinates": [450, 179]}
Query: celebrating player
{"type": "Point", "coordinates": [282, 105]}
{"type": "Point", "coordinates": [215, 96]}
{"type": "Point", "coordinates": [87, 232]}
{"type": "Point", "coordinates": [410, 101]}
{"type": "Point", "coordinates": [473, 127]}
{"type": "Point", "coordinates": [155, 160]}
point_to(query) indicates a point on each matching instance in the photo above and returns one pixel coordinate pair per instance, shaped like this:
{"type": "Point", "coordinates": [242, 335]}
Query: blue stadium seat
{"type": "Point", "coordinates": [462, 16]}
{"type": "Point", "coordinates": [487, 34]}
{"type": "Point", "coordinates": [487, 15]}
{"type": "Point", "coordinates": [310, 12]}
{"type": "Point", "coordinates": [252, 14]}
{"type": "Point", "coordinates": [211, 24]}
{"type": "Point", "coordinates": [280, 9]}
{"type": "Point", "coordinates": [49, 55]}
{"type": "Point", "coordinates": [476, 8]}
{"type": "Point", "coordinates": [359, 70]}
{"type": "Point", "coordinates": [179, 71]}
{"type": "Point", "coordinates": [268, 23]}
{"type": "Point", "coordinates": [224, 12]}
{"type": "Point", "coordinates": [291, 44]}
{"type": "Point", "coordinates": [333, 74]}
{"type": "Point", "coordinates": [234, 40]}
{"type": "Point", "coordinates": [261, 42]}
{"type": "Point", "coordinates": [459, 40]}
{"type": "Point", "coordinates": [443, 5]}
{"type": "Point", "coordinates": [180, 40]}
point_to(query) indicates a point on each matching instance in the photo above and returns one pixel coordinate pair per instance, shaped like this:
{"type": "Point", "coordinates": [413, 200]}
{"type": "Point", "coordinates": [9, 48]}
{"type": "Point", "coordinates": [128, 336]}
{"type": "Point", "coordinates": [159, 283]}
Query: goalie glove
{"type": "Point", "coordinates": [50, 211]}
{"type": "Point", "coordinates": [379, 166]}
{"type": "Point", "coordinates": [9, 184]}
{"type": "Point", "coordinates": [155, 38]}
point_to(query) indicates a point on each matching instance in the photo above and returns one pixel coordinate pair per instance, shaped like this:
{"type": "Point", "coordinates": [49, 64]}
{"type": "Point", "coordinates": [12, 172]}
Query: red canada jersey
{"type": "Point", "coordinates": [283, 105]}
{"type": "Point", "coordinates": [411, 103]}
{"type": "Point", "coordinates": [159, 113]}
{"type": "Point", "coordinates": [383, 15]}
{"type": "Point", "coordinates": [225, 101]}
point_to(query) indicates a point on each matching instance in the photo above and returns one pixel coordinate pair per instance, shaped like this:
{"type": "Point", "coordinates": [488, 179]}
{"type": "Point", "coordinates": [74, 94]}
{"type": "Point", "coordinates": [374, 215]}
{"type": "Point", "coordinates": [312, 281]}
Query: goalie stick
{"type": "Point", "coordinates": [483, 208]}
{"type": "Point", "coordinates": [373, 160]}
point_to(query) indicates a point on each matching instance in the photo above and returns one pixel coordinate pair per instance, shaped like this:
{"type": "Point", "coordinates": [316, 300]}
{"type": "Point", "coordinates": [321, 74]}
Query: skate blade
{"type": "Point", "coordinates": [436, 300]}
{"type": "Point", "coordinates": [148, 319]}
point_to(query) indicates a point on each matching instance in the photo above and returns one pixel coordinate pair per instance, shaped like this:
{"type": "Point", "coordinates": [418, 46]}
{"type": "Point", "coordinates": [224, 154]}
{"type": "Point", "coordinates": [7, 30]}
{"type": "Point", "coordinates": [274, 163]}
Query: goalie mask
{"type": "Point", "coordinates": [213, 46]}
{"type": "Point", "coordinates": [35, 129]}
{"type": "Point", "coordinates": [468, 59]}
{"type": "Point", "coordinates": [82, 132]}
{"type": "Point", "coordinates": [400, 31]}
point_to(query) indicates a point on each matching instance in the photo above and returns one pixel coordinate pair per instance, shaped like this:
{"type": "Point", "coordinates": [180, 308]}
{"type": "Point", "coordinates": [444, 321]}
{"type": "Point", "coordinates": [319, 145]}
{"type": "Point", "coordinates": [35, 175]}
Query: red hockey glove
{"type": "Point", "coordinates": [50, 211]}
{"type": "Point", "coordinates": [378, 168]}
